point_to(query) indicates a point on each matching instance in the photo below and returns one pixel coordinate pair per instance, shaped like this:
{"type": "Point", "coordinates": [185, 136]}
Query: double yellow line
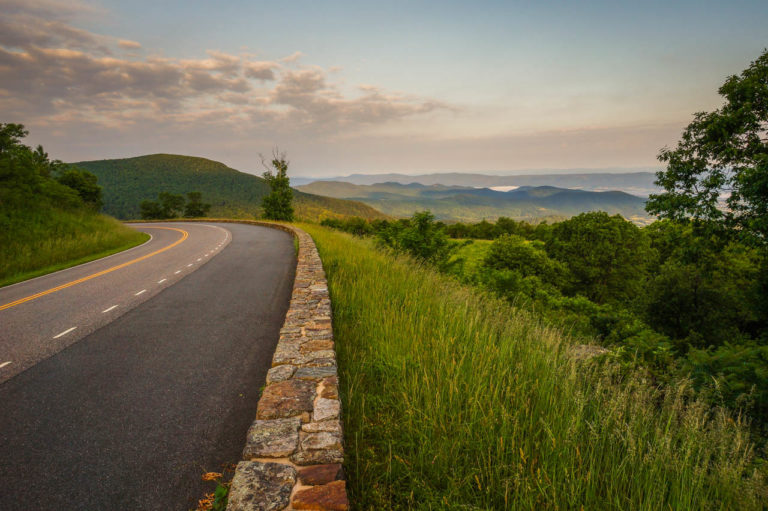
{"type": "Point", "coordinates": [184, 235]}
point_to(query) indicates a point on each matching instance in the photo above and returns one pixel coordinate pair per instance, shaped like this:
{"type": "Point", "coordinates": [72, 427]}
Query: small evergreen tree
{"type": "Point", "coordinates": [277, 205]}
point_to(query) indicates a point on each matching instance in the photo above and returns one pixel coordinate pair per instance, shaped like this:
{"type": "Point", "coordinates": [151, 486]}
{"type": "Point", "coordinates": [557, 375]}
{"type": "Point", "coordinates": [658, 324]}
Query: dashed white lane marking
{"type": "Point", "coordinates": [190, 264]}
{"type": "Point", "coordinates": [161, 281]}
{"type": "Point", "coordinates": [199, 259]}
{"type": "Point", "coordinates": [65, 332]}
{"type": "Point", "coordinates": [4, 364]}
{"type": "Point", "coordinates": [177, 272]}
{"type": "Point", "coordinates": [110, 309]}
{"type": "Point", "coordinates": [140, 292]}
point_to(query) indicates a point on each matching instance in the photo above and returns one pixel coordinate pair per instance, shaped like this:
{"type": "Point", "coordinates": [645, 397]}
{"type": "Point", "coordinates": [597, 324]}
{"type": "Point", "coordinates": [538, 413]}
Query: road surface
{"type": "Point", "coordinates": [132, 375]}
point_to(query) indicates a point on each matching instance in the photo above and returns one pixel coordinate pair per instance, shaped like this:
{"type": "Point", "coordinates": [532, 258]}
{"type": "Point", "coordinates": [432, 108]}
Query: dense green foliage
{"type": "Point", "coordinates": [47, 213]}
{"type": "Point", "coordinates": [455, 399]}
{"type": "Point", "coordinates": [674, 300]}
{"type": "Point", "coordinates": [171, 205]}
{"type": "Point", "coordinates": [451, 203]}
{"type": "Point", "coordinates": [231, 193]}
{"type": "Point", "coordinates": [723, 151]}
{"type": "Point", "coordinates": [277, 204]}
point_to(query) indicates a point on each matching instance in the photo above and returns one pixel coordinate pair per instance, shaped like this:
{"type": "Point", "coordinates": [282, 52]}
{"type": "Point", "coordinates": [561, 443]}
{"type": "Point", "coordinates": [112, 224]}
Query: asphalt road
{"type": "Point", "coordinates": [127, 410]}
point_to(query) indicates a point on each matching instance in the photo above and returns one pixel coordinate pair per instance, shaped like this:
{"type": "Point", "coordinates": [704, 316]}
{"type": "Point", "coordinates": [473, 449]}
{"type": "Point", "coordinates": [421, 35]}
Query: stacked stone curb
{"type": "Point", "coordinates": [293, 454]}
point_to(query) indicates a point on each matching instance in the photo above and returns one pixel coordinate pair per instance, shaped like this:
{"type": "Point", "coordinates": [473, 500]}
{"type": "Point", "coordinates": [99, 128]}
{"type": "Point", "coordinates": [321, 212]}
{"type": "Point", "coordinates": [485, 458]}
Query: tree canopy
{"type": "Point", "coordinates": [718, 173]}
{"type": "Point", "coordinates": [277, 205]}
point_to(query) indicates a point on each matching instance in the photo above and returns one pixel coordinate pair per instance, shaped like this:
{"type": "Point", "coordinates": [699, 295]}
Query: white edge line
{"type": "Point", "coordinates": [140, 292]}
{"type": "Point", "coordinates": [111, 308]}
{"type": "Point", "coordinates": [5, 364]}
{"type": "Point", "coordinates": [65, 332]}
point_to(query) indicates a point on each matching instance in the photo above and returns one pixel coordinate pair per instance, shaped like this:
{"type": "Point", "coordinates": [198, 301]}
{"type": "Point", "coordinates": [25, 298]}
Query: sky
{"type": "Point", "coordinates": [371, 87]}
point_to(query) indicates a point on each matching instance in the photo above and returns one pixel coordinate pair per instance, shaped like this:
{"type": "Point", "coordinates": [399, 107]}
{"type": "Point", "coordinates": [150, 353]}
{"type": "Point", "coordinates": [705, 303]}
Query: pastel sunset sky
{"type": "Point", "coordinates": [357, 86]}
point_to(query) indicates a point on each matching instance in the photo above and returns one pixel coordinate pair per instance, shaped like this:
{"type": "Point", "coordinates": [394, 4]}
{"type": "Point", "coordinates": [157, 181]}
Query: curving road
{"type": "Point", "coordinates": [123, 379]}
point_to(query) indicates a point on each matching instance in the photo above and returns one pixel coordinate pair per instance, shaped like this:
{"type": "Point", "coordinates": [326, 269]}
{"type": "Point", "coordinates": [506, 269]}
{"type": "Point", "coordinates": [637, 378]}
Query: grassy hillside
{"type": "Point", "coordinates": [46, 225]}
{"type": "Point", "coordinates": [456, 400]}
{"type": "Point", "coordinates": [43, 239]}
{"type": "Point", "coordinates": [474, 204]}
{"type": "Point", "coordinates": [127, 182]}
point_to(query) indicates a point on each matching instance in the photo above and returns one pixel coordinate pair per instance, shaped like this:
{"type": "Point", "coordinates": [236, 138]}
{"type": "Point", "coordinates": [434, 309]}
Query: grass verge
{"type": "Point", "coordinates": [50, 240]}
{"type": "Point", "coordinates": [455, 400]}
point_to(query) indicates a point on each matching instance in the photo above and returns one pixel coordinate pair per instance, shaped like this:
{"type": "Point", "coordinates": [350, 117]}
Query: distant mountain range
{"type": "Point", "coordinates": [129, 181]}
{"type": "Point", "coordinates": [473, 204]}
{"type": "Point", "coordinates": [636, 183]}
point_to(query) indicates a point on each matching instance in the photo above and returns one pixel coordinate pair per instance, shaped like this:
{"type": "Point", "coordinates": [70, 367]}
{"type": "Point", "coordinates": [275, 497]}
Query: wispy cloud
{"type": "Point", "coordinates": [54, 72]}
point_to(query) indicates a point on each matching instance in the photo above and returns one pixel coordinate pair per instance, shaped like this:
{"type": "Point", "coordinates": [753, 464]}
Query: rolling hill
{"type": "Point", "coordinates": [129, 181]}
{"type": "Point", "coordinates": [639, 183]}
{"type": "Point", "coordinates": [474, 204]}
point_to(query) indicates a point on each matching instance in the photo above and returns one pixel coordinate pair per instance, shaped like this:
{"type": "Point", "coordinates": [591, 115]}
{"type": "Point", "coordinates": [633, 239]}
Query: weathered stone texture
{"type": "Point", "coordinates": [326, 409]}
{"type": "Point", "coordinates": [276, 438]}
{"type": "Point", "coordinates": [280, 373]}
{"type": "Point", "coordinates": [260, 486]}
{"type": "Point", "coordinates": [286, 399]}
{"type": "Point", "coordinates": [320, 474]}
{"type": "Point", "coordinates": [328, 497]}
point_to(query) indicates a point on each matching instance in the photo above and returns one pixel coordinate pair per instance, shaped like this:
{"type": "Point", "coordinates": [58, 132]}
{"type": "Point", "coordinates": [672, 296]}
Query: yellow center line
{"type": "Point", "coordinates": [184, 236]}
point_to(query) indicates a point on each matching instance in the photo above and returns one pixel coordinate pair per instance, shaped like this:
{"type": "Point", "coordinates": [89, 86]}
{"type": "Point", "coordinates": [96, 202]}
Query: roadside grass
{"type": "Point", "coordinates": [453, 399]}
{"type": "Point", "coordinates": [37, 242]}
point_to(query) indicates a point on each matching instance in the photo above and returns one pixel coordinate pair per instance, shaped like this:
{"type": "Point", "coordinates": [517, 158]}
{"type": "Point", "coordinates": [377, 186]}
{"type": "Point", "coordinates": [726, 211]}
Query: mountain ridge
{"type": "Point", "coordinates": [126, 182]}
{"type": "Point", "coordinates": [453, 203]}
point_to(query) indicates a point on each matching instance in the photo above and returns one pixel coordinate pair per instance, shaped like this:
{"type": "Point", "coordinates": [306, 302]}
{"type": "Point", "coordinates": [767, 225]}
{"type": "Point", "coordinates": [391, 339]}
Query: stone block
{"type": "Point", "coordinates": [276, 438]}
{"type": "Point", "coordinates": [286, 399]}
{"type": "Point", "coordinates": [326, 409]}
{"type": "Point", "coordinates": [320, 474]}
{"type": "Point", "coordinates": [314, 373]}
{"type": "Point", "coordinates": [328, 497]}
{"type": "Point", "coordinates": [260, 486]}
{"type": "Point", "coordinates": [331, 426]}
{"type": "Point", "coordinates": [280, 373]}
{"type": "Point", "coordinates": [320, 441]}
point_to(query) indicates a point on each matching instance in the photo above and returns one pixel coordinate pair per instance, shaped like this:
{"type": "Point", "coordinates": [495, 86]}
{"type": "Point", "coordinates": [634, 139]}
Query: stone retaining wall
{"type": "Point", "coordinates": [293, 452]}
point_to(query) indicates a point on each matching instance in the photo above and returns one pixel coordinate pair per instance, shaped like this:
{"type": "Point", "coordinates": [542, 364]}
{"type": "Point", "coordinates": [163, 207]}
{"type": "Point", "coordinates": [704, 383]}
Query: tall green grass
{"type": "Point", "coordinates": [455, 400]}
{"type": "Point", "coordinates": [37, 241]}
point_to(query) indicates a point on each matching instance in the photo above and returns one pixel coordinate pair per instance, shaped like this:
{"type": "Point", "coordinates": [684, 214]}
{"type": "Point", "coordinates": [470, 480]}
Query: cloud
{"type": "Point", "coordinates": [54, 72]}
{"type": "Point", "coordinates": [293, 57]}
{"type": "Point", "coordinates": [128, 45]}
{"type": "Point", "coordinates": [260, 70]}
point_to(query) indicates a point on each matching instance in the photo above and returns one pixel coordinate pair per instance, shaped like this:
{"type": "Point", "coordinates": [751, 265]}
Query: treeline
{"type": "Point", "coordinates": [29, 176]}
{"type": "Point", "coordinates": [171, 205]}
{"type": "Point", "coordinates": [49, 212]}
{"type": "Point", "coordinates": [674, 299]}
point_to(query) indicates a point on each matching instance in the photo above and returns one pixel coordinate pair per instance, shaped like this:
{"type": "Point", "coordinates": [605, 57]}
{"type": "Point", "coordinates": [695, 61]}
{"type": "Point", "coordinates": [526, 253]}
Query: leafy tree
{"type": "Point", "coordinates": [151, 210]}
{"type": "Point", "coordinates": [10, 138]}
{"type": "Point", "coordinates": [195, 206]}
{"type": "Point", "coordinates": [722, 160]}
{"type": "Point", "coordinates": [515, 265]}
{"type": "Point", "coordinates": [420, 236]}
{"type": "Point", "coordinates": [703, 289]}
{"type": "Point", "coordinates": [277, 205]}
{"type": "Point", "coordinates": [84, 183]}
{"type": "Point", "coordinates": [171, 204]}
{"type": "Point", "coordinates": [606, 255]}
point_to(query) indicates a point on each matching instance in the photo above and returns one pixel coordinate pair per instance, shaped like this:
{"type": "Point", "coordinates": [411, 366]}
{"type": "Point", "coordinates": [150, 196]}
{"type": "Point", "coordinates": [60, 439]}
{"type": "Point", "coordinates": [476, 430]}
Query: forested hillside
{"type": "Point", "coordinates": [49, 212]}
{"type": "Point", "coordinates": [234, 194]}
{"type": "Point", "coordinates": [456, 203]}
